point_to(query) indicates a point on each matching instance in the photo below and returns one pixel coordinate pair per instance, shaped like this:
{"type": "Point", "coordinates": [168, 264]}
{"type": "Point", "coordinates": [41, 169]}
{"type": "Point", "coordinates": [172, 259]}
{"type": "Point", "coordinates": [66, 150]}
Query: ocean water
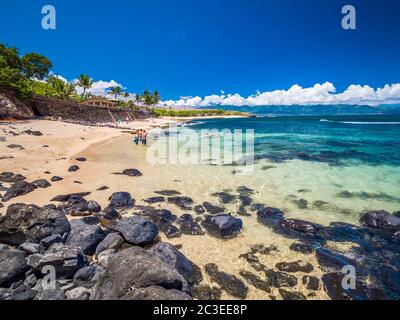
{"type": "Point", "coordinates": [324, 168]}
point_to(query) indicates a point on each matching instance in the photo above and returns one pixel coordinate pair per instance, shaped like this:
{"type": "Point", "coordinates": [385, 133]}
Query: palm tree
{"type": "Point", "coordinates": [147, 97]}
{"type": "Point", "coordinates": [126, 96]}
{"type": "Point", "coordinates": [116, 91]}
{"type": "Point", "coordinates": [138, 99]}
{"type": "Point", "coordinates": [61, 89]}
{"type": "Point", "coordinates": [85, 82]}
{"type": "Point", "coordinates": [156, 97]}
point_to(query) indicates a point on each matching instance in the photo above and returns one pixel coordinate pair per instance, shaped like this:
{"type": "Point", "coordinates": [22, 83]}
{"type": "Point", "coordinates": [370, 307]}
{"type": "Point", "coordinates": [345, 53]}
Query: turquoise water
{"type": "Point", "coordinates": [321, 168]}
{"type": "Point", "coordinates": [336, 140]}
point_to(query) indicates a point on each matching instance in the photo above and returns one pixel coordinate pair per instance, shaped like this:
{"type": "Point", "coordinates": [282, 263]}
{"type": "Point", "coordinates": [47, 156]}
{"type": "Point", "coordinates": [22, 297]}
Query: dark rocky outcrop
{"type": "Point", "coordinates": [64, 258]}
{"type": "Point", "coordinates": [41, 183]}
{"type": "Point", "coordinates": [73, 168]}
{"type": "Point", "coordinates": [213, 209]}
{"type": "Point", "coordinates": [12, 266]}
{"type": "Point", "coordinates": [381, 220]}
{"type": "Point", "coordinates": [121, 200]}
{"type": "Point", "coordinates": [278, 279]}
{"type": "Point", "coordinates": [84, 236]}
{"type": "Point", "coordinates": [10, 177]}
{"type": "Point", "coordinates": [153, 200]}
{"type": "Point", "coordinates": [296, 266]}
{"type": "Point", "coordinates": [130, 173]}
{"type": "Point", "coordinates": [19, 188]}
{"type": "Point", "coordinates": [182, 202]}
{"type": "Point", "coordinates": [227, 282]}
{"type": "Point", "coordinates": [28, 222]}
{"type": "Point", "coordinates": [137, 230]}
{"type": "Point", "coordinates": [111, 241]}
{"type": "Point", "coordinates": [222, 226]}
{"type": "Point", "coordinates": [173, 257]}
{"type": "Point", "coordinates": [189, 227]}
{"type": "Point", "coordinates": [255, 281]}
{"type": "Point", "coordinates": [140, 275]}
{"type": "Point", "coordinates": [168, 193]}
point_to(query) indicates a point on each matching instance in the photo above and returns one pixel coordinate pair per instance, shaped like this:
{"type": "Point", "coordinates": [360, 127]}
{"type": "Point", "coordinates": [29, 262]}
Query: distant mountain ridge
{"type": "Point", "coordinates": [312, 110]}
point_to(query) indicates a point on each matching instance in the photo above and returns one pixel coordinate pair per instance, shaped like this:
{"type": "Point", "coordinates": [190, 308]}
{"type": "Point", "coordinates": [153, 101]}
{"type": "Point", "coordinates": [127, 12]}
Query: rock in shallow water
{"type": "Point", "coordinates": [296, 266]}
{"type": "Point", "coordinates": [381, 220]}
{"type": "Point", "coordinates": [227, 282]}
{"type": "Point", "coordinates": [212, 209]}
{"type": "Point", "coordinates": [181, 202]}
{"type": "Point", "coordinates": [222, 226]}
{"type": "Point", "coordinates": [10, 177]}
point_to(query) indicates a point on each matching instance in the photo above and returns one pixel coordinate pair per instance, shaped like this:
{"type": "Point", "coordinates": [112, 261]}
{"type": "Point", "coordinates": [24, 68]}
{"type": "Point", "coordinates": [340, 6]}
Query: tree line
{"type": "Point", "coordinates": [30, 74]}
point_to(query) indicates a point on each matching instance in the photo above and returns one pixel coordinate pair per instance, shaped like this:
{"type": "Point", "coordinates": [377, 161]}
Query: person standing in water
{"type": "Point", "coordinates": [137, 138]}
{"type": "Point", "coordinates": [144, 137]}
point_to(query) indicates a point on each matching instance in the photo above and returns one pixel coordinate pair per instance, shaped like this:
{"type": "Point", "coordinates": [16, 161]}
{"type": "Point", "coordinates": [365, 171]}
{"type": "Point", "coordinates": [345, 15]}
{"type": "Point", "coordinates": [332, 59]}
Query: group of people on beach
{"type": "Point", "coordinates": [141, 137]}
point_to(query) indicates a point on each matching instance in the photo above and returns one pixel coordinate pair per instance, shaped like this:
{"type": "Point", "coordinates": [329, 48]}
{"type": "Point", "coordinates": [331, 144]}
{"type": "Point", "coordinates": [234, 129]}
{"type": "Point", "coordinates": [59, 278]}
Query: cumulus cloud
{"type": "Point", "coordinates": [296, 95]}
{"type": "Point", "coordinates": [100, 88]}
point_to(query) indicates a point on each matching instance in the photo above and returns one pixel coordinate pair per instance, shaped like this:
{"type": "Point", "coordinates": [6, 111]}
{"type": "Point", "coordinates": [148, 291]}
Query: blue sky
{"type": "Point", "coordinates": [200, 47]}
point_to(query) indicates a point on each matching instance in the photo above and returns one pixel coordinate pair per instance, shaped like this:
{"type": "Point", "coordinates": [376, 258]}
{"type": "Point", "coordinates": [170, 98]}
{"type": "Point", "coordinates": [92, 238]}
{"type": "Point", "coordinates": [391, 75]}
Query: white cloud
{"type": "Point", "coordinates": [99, 88]}
{"type": "Point", "coordinates": [296, 95]}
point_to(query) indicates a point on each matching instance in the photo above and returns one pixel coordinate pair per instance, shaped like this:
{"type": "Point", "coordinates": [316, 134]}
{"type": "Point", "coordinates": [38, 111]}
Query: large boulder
{"type": "Point", "coordinates": [111, 241]}
{"type": "Point", "coordinates": [29, 222]}
{"type": "Point", "coordinates": [172, 256]}
{"type": "Point", "coordinates": [121, 200]}
{"type": "Point", "coordinates": [12, 266]}
{"type": "Point", "coordinates": [137, 230]}
{"type": "Point", "coordinates": [381, 220]}
{"type": "Point", "coordinates": [64, 258]}
{"type": "Point", "coordinates": [222, 226]}
{"type": "Point", "coordinates": [19, 188]}
{"type": "Point", "coordinates": [85, 236]}
{"type": "Point", "coordinates": [140, 275]}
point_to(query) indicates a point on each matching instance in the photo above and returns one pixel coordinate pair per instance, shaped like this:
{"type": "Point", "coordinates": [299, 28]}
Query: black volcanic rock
{"type": "Point", "coordinates": [19, 188]}
{"type": "Point", "coordinates": [41, 183]}
{"type": "Point", "coordinates": [11, 177]}
{"type": "Point", "coordinates": [81, 159]}
{"type": "Point", "coordinates": [381, 220]}
{"type": "Point", "coordinates": [65, 259]}
{"type": "Point", "coordinates": [137, 230]}
{"type": "Point", "coordinates": [28, 222]}
{"type": "Point", "coordinates": [227, 282]}
{"type": "Point", "coordinates": [73, 168]}
{"type": "Point", "coordinates": [12, 266]}
{"type": "Point", "coordinates": [140, 275]}
{"type": "Point", "coordinates": [153, 200]}
{"type": "Point", "coordinates": [84, 236]}
{"type": "Point", "coordinates": [168, 193]}
{"type": "Point", "coordinates": [56, 178]}
{"type": "Point", "coordinates": [181, 202]}
{"type": "Point", "coordinates": [222, 226]}
{"type": "Point", "coordinates": [121, 200]}
{"type": "Point", "coordinates": [212, 209]}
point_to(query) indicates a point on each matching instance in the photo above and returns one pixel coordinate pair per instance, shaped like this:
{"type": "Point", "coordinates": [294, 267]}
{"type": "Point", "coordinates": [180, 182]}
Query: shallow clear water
{"type": "Point", "coordinates": [321, 168]}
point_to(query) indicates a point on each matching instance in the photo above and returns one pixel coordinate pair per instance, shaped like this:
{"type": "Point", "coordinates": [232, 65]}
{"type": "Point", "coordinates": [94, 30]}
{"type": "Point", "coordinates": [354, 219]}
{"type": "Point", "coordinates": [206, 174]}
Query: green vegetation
{"type": "Point", "coordinates": [17, 73]}
{"type": "Point", "coordinates": [159, 112]}
{"type": "Point", "coordinates": [85, 82]}
{"type": "Point", "coordinates": [29, 75]}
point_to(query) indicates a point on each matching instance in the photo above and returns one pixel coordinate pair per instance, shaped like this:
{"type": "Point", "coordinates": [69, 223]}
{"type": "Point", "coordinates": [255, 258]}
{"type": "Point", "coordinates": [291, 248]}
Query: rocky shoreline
{"type": "Point", "coordinates": [116, 252]}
